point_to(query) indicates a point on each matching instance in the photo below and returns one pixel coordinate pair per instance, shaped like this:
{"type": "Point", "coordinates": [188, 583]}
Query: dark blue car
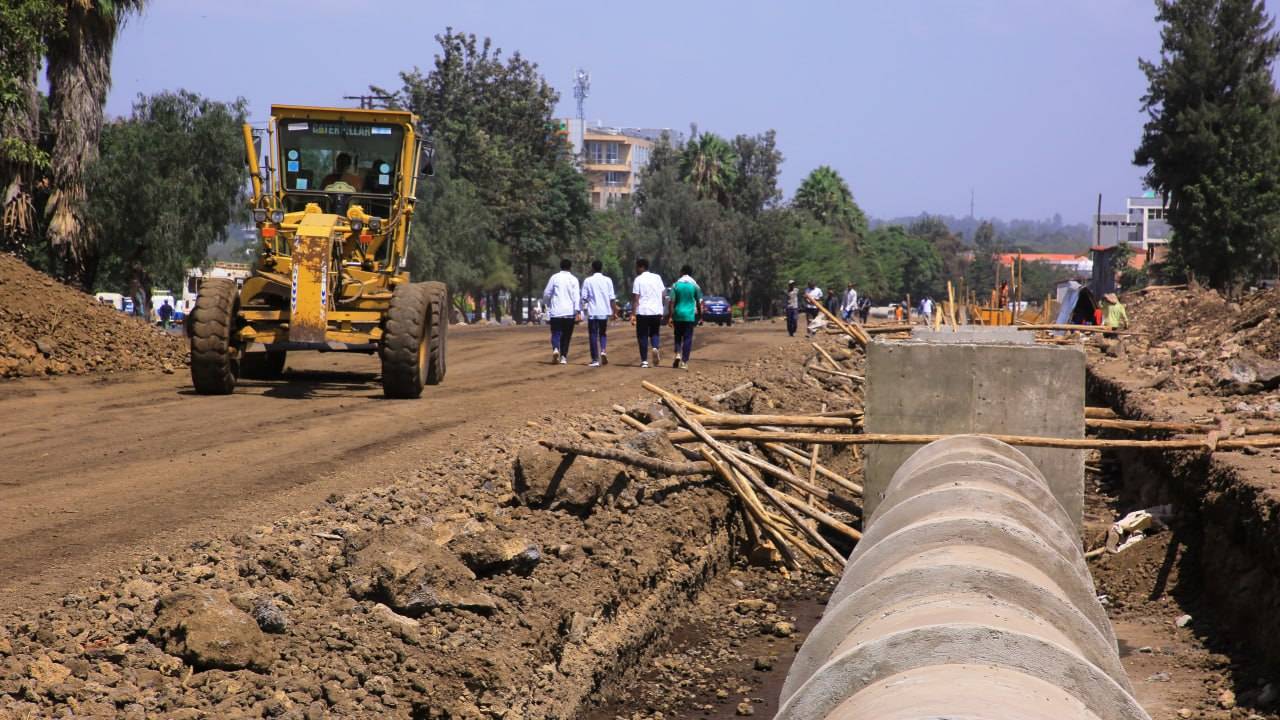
{"type": "Point", "coordinates": [716, 309]}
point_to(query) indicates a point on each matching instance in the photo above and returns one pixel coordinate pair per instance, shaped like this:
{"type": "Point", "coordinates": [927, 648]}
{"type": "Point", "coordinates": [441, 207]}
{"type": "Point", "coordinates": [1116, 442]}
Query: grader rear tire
{"type": "Point", "coordinates": [213, 363]}
{"type": "Point", "coordinates": [438, 331]}
{"type": "Point", "coordinates": [263, 365]}
{"type": "Point", "coordinates": [405, 335]}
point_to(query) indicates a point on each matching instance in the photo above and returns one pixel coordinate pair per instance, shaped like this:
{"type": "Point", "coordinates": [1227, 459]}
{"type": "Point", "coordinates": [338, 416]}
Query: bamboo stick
{"type": "Point", "coordinates": [853, 331]}
{"type": "Point", "coordinates": [1079, 328]}
{"type": "Point", "coordinates": [883, 329]}
{"type": "Point", "coordinates": [1178, 427]}
{"type": "Point", "coordinates": [792, 454]}
{"type": "Point", "coordinates": [666, 467]}
{"type": "Point", "coordinates": [1021, 440]}
{"type": "Point", "coordinates": [848, 376]}
{"type": "Point", "coordinates": [827, 356]}
{"type": "Point", "coordinates": [1100, 412]}
{"type": "Point", "coordinates": [797, 482]}
{"type": "Point", "coordinates": [660, 392]}
{"type": "Point", "coordinates": [754, 509]}
{"type": "Point", "coordinates": [779, 420]}
{"type": "Point", "coordinates": [726, 453]}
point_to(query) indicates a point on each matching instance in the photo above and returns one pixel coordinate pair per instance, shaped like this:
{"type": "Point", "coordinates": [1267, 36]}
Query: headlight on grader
{"type": "Point", "coordinates": [375, 224]}
{"type": "Point", "coordinates": [277, 216]}
{"type": "Point", "coordinates": [356, 226]}
{"type": "Point", "coordinates": [259, 215]}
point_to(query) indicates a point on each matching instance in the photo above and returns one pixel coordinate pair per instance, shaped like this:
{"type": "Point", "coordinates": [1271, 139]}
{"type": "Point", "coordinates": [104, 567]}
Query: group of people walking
{"type": "Point", "coordinates": [848, 305]}
{"type": "Point", "coordinates": [568, 301]}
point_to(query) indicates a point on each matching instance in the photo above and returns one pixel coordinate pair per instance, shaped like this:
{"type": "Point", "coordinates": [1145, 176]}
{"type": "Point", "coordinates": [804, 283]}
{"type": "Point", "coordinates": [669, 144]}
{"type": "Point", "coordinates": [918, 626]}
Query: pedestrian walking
{"type": "Point", "coordinates": [686, 308]}
{"type": "Point", "coordinates": [647, 295]}
{"type": "Point", "coordinates": [563, 303]}
{"type": "Point", "coordinates": [864, 306]}
{"type": "Point", "coordinates": [165, 311]}
{"type": "Point", "coordinates": [793, 307]}
{"type": "Point", "coordinates": [600, 304]}
{"type": "Point", "coordinates": [1114, 314]}
{"type": "Point", "coordinates": [850, 303]}
{"type": "Point", "coordinates": [812, 297]}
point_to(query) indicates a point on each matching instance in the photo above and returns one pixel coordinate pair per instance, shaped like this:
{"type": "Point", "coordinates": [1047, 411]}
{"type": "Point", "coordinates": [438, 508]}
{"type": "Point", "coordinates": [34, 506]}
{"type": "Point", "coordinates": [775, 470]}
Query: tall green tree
{"type": "Point", "coordinates": [709, 164]}
{"type": "Point", "coordinates": [25, 26]}
{"type": "Point", "coordinates": [987, 247]}
{"type": "Point", "coordinates": [1211, 142]}
{"type": "Point", "coordinates": [79, 71]}
{"type": "Point", "coordinates": [755, 186]}
{"type": "Point", "coordinates": [950, 248]}
{"type": "Point", "coordinates": [169, 181]}
{"type": "Point", "coordinates": [826, 195]}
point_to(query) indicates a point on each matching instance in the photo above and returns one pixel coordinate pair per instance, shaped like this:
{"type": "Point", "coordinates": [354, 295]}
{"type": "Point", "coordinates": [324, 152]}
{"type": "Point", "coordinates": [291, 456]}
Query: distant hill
{"type": "Point", "coordinates": [1050, 236]}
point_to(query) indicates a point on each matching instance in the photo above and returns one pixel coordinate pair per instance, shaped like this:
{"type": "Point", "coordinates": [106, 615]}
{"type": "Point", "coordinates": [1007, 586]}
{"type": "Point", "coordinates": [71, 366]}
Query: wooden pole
{"type": "Point", "coordinates": [1079, 328]}
{"type": "Point", "coordinates": [1100, 412]}
{"type": "Point", "coordinates": [848, 376]}
{"type": "Point", "coordinates": [793, 454]}
{"type": "Point", "coordinates": [779, 420]}
{"type": "Point", "coordinates": [665, 467]}
{"type": "Point", "coordinates": [753, 508]}
{"type": "Point", "coordinates": [827, 356]}
{"type": "Point", "coordinates": [1021, 440]}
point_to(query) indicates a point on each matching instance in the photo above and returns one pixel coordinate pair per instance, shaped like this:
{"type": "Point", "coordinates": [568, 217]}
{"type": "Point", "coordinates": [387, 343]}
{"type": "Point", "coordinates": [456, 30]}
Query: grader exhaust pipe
{"type": "Point", "coordinates": [968, 596]}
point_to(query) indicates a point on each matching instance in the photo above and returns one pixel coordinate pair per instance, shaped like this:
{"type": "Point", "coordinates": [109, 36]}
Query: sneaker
{"type": "Point", "coordinates": [594, 363]}
{"type": "Point", "coordinates": [555, 356]}
{"type": "Point", "coordinates": [657, 357]}
{"type": "Point", "coordinates": [644, 363]}
{"type": "Point", "coordinates": [604, 359]}
{"type": "Point", "coordinates": [675, 362]}
{"type": "Point", "coordinates": [563, 360]}
{"type": "Point", "coordinates": [684, 365]}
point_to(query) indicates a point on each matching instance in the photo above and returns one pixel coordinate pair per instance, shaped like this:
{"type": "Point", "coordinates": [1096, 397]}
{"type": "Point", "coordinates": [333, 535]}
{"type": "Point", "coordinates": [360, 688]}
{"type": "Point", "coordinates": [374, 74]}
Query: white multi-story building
{"type": "Point", "coordinates": [611, 158]}
{"type": "Point", "coordinates": [1144, 225]}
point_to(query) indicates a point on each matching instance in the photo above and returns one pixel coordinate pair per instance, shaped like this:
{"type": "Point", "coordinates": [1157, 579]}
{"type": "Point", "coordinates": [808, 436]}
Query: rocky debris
{"type": "Point", "coordinates": [412, 575]}
{"type": "Point", "coordinates": [205, 629]}
{"type": "Point", "coordinates": [268, 615]}
{"type": "Point", "coordinates": [492, 551]}
{"type": "Point", "coordinates": [653, 443]}
{"type": "Point", "coordinates": [548, 479]}
{"type": "Point", "coordinates": [47, 328]}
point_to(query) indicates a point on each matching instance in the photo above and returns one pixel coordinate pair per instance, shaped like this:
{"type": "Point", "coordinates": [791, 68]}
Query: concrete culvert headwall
{"type": "Point", "coordinates": [967, 597]}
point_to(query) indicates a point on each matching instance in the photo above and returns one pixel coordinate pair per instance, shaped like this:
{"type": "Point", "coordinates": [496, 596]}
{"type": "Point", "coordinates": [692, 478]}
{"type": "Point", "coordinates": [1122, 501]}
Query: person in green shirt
{"type": "Point", "coordinates": [1113, 312]}
{"type": "Point", "coordinates": [684, 307]}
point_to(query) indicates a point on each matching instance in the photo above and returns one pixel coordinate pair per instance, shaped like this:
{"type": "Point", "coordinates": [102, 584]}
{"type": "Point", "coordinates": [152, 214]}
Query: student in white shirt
{"type": "Point", "coordinates": [850, 303]}
{"type": "Point", "coordinates": [600, 304]}
{"type": "Point", "coordinates": [563, 303]}
{"type": "Point", "coordinates": [648, 295]}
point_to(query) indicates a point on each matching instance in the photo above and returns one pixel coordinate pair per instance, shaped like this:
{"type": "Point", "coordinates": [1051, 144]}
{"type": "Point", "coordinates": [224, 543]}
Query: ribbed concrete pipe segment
{"type": "Point", "coordinates": [967, 597]}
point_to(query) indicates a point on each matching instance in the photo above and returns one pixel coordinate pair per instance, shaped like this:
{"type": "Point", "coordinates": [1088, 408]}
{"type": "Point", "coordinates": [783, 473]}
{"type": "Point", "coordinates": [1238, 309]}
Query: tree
{"type": "Point", "coordinates": [819, 254]}
{"type": "Point", "coordinates": [893, 263]}
{"type": "Point", "coordinates": [755, 186]}
{"type": "Point", "coordinates": [981, 274]}
{"type": "Point", "coordinates": [948, 246]}
{"type": "Point", "coordinates": [709, 164]}
{"type": "Point", "coordinates": [1211, 142]}
{"type": "Point", "coordinates": [79, 71]}
{"type": "Point", "coordinates": [169, 181]}
{"type": "Point", "coordinates": [24, 25]}
{"type": "Point", "coordinates": [826, 196]}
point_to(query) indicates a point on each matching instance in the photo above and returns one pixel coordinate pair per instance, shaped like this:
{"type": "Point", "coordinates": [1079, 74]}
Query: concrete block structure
{"type": "Point", "coordinates": [980, 386]}
{"type": "Point", "coordinates": [967, 597]}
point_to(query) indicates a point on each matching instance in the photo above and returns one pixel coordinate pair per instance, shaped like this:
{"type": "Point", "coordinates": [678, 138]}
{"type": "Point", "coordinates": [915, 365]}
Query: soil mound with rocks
{"type": "Point", "coordinates": [1205, 342]}
{"type": "Point", "coordinates": [47, 328]}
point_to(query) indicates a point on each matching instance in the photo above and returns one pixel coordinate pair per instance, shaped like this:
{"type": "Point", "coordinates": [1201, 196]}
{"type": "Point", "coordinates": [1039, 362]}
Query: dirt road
{"type": "Point", "coordinates": [97, 474]}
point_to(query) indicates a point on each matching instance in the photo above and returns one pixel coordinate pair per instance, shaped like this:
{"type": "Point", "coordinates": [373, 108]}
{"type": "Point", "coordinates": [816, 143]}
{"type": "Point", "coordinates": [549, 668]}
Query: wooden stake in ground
{"type": "Point", "coordinates": [627, 457]}
{"type": "Point", "coordinates": [753, 511]}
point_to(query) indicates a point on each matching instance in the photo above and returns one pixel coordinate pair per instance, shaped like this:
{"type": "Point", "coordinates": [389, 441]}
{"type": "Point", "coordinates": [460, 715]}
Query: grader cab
{"type": "Point", "coordinates": [333, 204]}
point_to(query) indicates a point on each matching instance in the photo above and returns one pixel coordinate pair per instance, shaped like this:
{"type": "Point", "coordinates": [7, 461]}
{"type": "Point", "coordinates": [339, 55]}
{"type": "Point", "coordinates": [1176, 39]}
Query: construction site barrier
{"type": "Point", "coordinates": [968, 596]}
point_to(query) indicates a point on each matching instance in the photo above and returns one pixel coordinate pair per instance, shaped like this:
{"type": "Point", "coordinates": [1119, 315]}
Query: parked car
{"type": "Point", "coordinates": [717, 310]}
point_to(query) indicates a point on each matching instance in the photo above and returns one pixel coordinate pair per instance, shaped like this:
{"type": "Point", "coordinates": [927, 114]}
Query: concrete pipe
{"type": "Point", "coordinates": [967, 597]}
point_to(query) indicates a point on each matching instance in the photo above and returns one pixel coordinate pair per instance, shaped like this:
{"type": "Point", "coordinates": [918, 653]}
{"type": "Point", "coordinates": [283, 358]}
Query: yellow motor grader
{"type": "Point", "coordinates": [333, 203]}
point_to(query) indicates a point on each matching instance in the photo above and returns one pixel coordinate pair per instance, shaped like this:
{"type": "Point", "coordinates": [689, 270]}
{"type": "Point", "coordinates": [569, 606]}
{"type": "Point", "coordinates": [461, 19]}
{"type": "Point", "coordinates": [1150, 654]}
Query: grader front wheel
{"type": "Point", "coordinates": [438, 331]}
{"type": "Point", "coordinates": [409, 337]}
{"type": "Point", "coordinates": [213, 363]}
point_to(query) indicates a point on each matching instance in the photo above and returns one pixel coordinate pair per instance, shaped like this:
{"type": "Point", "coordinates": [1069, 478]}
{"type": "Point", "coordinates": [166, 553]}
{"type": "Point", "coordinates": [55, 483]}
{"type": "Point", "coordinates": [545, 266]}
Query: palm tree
{"type": "Point", "coordinates": [79, 72]}
{"type": "Point", "coordinates": [827, 197]}
{"type": "Point", "coordinates": [710, 165]}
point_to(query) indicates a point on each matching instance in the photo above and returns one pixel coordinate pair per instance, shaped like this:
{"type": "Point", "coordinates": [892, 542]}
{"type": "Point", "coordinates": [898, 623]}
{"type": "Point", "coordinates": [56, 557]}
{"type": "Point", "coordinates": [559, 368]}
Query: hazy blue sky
{"type": "Point", "coordinates": [1032, 103]}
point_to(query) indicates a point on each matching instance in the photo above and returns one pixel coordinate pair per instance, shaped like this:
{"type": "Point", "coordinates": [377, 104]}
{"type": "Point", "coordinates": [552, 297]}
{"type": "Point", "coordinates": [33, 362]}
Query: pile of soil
{"type": "Point", "coordinates": [459, 593]}
{"type": "Point", "coordinates": [1205, 342]}
{"type": "Point", "coordinates": [47, 328]}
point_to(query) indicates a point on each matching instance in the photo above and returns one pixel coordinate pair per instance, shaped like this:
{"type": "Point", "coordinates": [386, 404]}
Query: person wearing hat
{"type": "Point", "coordinates": [1113, 313]}
{"type": "Point", "coordinates": [793, 307]}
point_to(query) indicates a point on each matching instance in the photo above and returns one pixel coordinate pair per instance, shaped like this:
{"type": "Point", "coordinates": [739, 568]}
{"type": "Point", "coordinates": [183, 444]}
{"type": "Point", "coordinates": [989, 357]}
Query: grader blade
{"type": "Point", "coordinates": [309, 296]}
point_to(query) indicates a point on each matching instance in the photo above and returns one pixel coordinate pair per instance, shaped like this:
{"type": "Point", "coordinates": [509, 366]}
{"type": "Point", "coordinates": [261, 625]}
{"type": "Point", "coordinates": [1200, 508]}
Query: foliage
{"type": "Point", "coordinates": [818, 253]}
{"type": "Point", "coordinates": [950, 249]}
{"type": "Point", "coordinates": [755, 187]}
{"type": "Point", "coordinates": [980, 276]}
{"type": "Point", "coordinates": [710, 166]}
{"type": "Point", "coordinates": [1047, 236]}
{"type": "Point", "coordinates": [24, 25]}
{"type": "Point", "coordinates": [827, 197]}
{"type": "Point", "coordinates": [1211, 142]}
{"type": "Point", "coordinates": [895, 263]}
{"type": "Point", "coordinates": [167, 184]}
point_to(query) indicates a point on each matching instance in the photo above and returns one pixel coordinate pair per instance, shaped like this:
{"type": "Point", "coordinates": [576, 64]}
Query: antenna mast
{"type": "Point", "coordinates": [581, 91]}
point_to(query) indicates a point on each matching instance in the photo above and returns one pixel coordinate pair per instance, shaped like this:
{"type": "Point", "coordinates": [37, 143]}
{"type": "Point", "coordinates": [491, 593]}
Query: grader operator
{"type": "Point", "coordinates": [333, 203]}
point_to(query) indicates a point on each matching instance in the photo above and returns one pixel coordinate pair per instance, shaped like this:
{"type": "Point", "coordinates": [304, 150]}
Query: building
{"type": "Point", "coordinates": [611, 158]}
{"type": "Point", "coordinates": [1144, 225]}
{"type": "Point", "coordinates": [1080, 264]}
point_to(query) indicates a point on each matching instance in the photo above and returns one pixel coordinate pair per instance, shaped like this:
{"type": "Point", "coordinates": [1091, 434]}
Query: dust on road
{"type": "Point", "coordinates": [97, 474]}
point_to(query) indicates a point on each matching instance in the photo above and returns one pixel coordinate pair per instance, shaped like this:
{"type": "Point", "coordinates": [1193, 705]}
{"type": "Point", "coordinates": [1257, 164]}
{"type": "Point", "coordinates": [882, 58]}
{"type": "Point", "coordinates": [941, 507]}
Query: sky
{"type": "Point", "coordinates": [1031, 105]}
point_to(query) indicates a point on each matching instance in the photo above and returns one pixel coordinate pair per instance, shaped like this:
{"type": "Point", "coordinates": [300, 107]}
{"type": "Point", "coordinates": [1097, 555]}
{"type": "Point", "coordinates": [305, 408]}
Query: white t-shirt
{"type": "Point", "coordinates": [651, 291]}
{"type": "Point", "coordinates": [561, 295]}
{"type": "Point", "coordinates": [597, 296]}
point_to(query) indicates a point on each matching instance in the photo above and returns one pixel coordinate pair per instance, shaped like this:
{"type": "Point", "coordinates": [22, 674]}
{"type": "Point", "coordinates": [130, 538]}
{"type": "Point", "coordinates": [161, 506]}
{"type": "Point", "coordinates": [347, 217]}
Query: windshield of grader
{"type": "Point", "coordinates": [334, 163]}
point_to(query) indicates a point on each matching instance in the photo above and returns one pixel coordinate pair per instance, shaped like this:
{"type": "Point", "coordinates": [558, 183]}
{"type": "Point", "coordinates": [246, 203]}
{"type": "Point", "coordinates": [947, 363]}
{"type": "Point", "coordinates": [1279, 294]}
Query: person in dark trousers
{"type": "Point", "coordinates": [166, 314]}
{"type": "Point", "coordinates": [864, 308]}
{"type": "Point", "coordinates": [647, 294]}
{"type": "Point", "coordinates": [563, 306]}
{"type": "Point", "coordinates": [600, 304]}
{"type": "Point", "coordinates": [685, 309]}
{"type": "Point", "coordinates": [793, 307]}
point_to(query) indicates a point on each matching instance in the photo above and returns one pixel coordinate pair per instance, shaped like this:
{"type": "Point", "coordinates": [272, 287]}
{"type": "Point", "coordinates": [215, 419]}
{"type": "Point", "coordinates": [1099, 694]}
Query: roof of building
{"type": "Point", "coordinates": [1055, 258]}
